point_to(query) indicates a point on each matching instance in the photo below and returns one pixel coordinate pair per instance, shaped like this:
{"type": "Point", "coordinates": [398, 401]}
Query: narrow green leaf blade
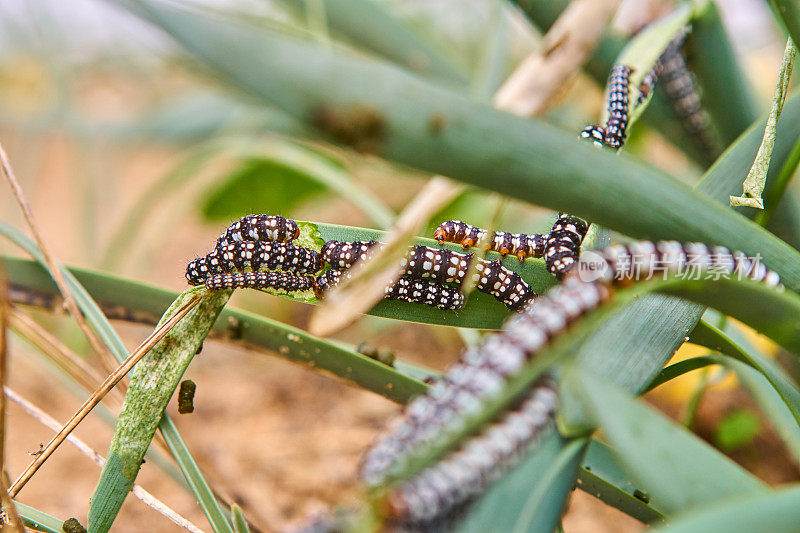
{"type": "Point", "coordinates": [145, 303]}
{"type": "Point", "coordinates": [239, 520]}
{"type": "Point", "coordinates": [672, 465]}
{"type": "Point", "coordinates": [37, 520]}
{"type": "Point", "coordinates": [152, 384]}
{"type": "Point", "coordinates": [602, 476]}
{"type": "Point", "coordinates": [531, 496]}
{"type": "Point", "coordinates": [776, 512]}
{"type": "Point", "coordinates": [722, 80]}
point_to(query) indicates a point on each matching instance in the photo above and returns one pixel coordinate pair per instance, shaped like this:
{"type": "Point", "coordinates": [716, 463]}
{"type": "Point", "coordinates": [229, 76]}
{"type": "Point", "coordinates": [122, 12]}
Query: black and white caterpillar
{"type": "Point", "coordinates": [518, 244]}
{"type": "Point", "coordinates": [465, 474]}
{"type": "Point", "coordinates": [614, 132]}
{"type": "Point", "coordinates": [441, 266]}
{"type": "Point", "coordinates": [563, 245]}
{"type": "Point", "coordinates": [259, 280]}
{"type": "Point", "coordinates": [260, 228]}
{"type": "Point", "coordinates": [482, 371]}
{"type": "Point", "coordinates": [618, 89]}
{"type": "Point", "coordinates": [406, 289]}
{"type": "Point", "coordinates": [681, 90]}
{"type": "Point", "coordinates": [236, 256]}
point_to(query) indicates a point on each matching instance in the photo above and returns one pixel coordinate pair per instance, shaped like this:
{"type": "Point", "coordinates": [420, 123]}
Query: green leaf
{"type": "Point", "coordinates": [152, 383]}
{"type": "Point", "coordinates": [260, 186]}
{"type": "Point", "coordinates": [197, 115]}
{"type": "Point", "coordinates": [776, 512]}
{"type": "Point", "coordinates": [190, 470]}
{"type": "Point", "coordinates": [239, 520]}
{"type": "Point", "coordinates": [736, 430]}
{"type": "Point", "coordinates": [37, 520]}
{"type": "Point", "coordinates": [527, 159]}
{"type": "Point", "coordinates": [602, 476]}
{"type": "Point", "coordinates": [530, 497]}
{"type": "Point", "coordinates": [788, 14]}
{"type": "Point", "coordinates": [370, 26]}
{"type": "Point", "coordinates": [770, 385]}
{"type": "Point", "coordinates": [722, 81]}
{"type": "Point", "coordinates": [145, 303]}
{"type": "Point", "coordinates": [680, 368]}
{"type": "Point", "coordinates": [671, 464]}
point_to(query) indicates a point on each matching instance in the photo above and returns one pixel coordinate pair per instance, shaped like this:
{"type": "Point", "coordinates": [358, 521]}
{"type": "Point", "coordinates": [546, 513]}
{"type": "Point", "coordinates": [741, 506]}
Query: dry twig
{"type": "Point", "coordinates": [343, 305]}
{"type": "Point", "coordinates": [534, 85]}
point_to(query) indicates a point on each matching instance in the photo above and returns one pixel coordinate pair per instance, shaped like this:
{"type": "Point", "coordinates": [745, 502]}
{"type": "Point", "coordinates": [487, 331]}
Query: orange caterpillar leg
{"type": "Point", "coordinates": [521, 255]}
{"type": "Point", "coordinates": [503, 251]}
{"type": "Point", "coordinates": [439, 235]}
{"type": "Point", "coordinates": [468, 242]}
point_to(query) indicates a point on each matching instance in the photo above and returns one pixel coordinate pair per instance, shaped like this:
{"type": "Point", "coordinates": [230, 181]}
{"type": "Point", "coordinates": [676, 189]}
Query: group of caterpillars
{"type": "Point", "coordinates": [257, 252]}
{"type": "Point", "coordinates": [680, 89]}
{"type": "Point", "coordinates": [437, 494]}
{"type": "Point", "coordinates": [434, 497]}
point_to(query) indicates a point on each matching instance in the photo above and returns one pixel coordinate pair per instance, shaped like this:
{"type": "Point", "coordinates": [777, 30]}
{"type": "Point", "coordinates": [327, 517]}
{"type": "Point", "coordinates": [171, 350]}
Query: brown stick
{"type": "Point", "coordinates": [541, 77]}
{"type": "Point", "coordinates": [98, 395]}
{"type": "Point", "coordinates": [52, 265]}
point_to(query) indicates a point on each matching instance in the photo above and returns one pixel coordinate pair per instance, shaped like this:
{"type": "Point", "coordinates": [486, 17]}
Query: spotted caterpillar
{"type": "Point", "coordinates": [617, 123]}
{"type": "Point", "coordinates": [481, 460]}
{"type": "Point", "coordinates": [259, 280]}
{"type": "Point", "coordinates": [406, 289]}
{"type": "Point", "coordinates": [615, 130]}
{"type": "Point", "coordinates": [518, 244]}
{"type": "Point", "coordinates": [256, 255]}
{"type": "Point", "coordinates": [260, 228]}
{"type": "Point", "coordinates": [441, 266]}
{"type": "Point", "coordinates": [482, 371]}
{"type": "Point", "coordinates": [681, 89]}
{"type": "Point", "coordinates": [563, 246]}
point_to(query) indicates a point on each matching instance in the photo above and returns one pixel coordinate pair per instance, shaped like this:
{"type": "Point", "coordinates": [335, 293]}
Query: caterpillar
{"type": "Point", "coordinates": [482, 459]}
{"type": "Point", "coordinates": [518, 244]}
{"type": "Point", "coordinates": [259, 280]}
{"type": "Point", "coordinates": [260, 228]}
{"type": "Point", "coordinates": [441, 266]}
{"type": "Point", "coordinates": [406, 289]}
{"type": "Point", "coordinates": [681, 90]}
{"type": "Point", "coordinates": [256, 255]}
{"type": "Point", "coordinates": [647, 84]}
{"type": "Point", "coordinates": [343, 255]}
{"type": "Point", "coordinates": [617, 123]}
{"type": "Point", "coordinates": [426, 292]}
{"type": "Point", "coordinates": [482, 371]}
{"type": "Point", "coordinates": [563, 245]}
{"type": "Point", "coordinates": [594, 133]}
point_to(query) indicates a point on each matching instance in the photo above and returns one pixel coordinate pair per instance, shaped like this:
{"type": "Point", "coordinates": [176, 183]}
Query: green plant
{"type": "Point", "coordinates": [405, 99]}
